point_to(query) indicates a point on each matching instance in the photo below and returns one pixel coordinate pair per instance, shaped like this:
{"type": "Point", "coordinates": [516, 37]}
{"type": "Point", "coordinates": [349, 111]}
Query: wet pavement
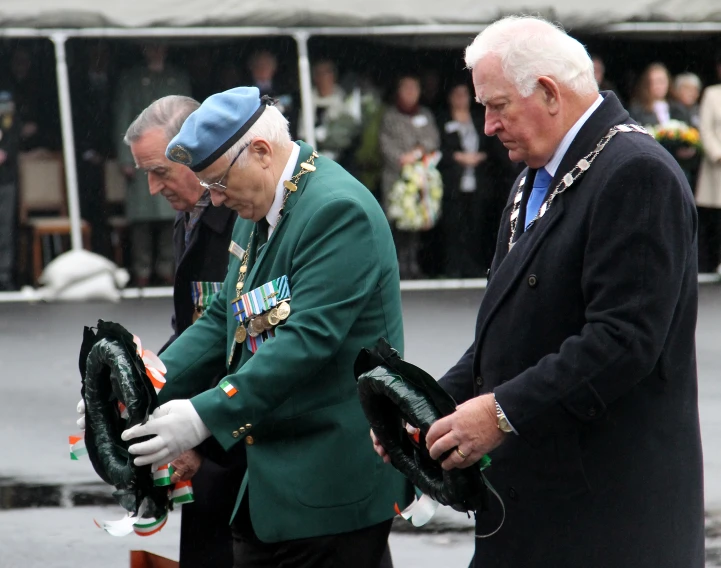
{"type": "Point", "coordinates": [47, 501]}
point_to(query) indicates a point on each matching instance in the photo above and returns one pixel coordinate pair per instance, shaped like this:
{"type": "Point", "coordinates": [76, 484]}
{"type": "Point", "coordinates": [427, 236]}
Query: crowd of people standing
{"type": "Point", "coordinates": [422, 128]}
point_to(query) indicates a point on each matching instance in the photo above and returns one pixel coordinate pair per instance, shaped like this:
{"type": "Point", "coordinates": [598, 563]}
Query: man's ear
{"type": "Point", "coordinates": [551, 94]}
{"type": "Point", "coordinates": [263, 149]}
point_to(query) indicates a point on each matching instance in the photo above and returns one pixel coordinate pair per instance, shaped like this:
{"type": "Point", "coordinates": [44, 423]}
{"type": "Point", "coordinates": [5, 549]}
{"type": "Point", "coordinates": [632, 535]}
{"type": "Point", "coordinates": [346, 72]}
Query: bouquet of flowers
{"type": "Point", "coordinates": [675, 134]}
{"type": "Point", "coordinates": [682, 141]}
{"type": "Point", "coordinates": [415, 199]}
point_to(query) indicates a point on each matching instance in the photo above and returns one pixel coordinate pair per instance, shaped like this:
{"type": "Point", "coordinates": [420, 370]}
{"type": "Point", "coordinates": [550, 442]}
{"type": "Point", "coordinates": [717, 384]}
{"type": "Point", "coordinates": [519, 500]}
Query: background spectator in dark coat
{"type": "Point", "coordinates": [466, 185]}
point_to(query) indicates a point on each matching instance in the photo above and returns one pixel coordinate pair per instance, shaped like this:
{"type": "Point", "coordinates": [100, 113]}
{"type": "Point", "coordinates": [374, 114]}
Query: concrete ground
{"type": "Point", "coordinates": [40, 385]}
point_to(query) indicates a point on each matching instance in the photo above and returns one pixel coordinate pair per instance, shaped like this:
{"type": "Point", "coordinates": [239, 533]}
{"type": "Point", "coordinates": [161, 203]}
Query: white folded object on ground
{"type": "Point", "coordinates": [82, 275]}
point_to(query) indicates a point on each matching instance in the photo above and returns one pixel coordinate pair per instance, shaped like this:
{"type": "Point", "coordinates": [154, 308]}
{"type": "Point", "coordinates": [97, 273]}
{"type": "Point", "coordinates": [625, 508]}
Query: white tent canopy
{"type": "Point", "coordinates": [333, 13]}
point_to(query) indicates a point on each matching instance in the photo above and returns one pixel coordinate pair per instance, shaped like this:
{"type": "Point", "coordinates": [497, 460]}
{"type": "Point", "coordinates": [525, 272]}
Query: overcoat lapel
{"type": "Point", "coordinates": [513, 265]}
{"type": "Point", "coordinates": [213, 217]}
{"type": "Point", "coordinates": [515, 262]}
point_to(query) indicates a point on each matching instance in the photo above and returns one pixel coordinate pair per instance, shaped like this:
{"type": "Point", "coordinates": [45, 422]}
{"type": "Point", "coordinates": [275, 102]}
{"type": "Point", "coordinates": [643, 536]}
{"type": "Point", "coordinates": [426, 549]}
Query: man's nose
{"type": "Point", "coordinates": [155, 185]}
{"type": "Point", "coordinates": [491, 126]}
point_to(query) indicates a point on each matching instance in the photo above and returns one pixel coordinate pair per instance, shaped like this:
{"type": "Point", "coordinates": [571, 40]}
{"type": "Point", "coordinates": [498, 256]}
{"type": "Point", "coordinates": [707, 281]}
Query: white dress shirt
{"type": "Point", "coordinates": [274, 213]}
{"type": "Point", "coordinates": [555, 161]}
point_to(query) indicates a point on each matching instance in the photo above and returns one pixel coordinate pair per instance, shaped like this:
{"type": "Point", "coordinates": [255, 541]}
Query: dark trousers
{"type": "Point", "coordinates": [408, 247]}
{"type": "Point", "coordinates": [364, 548]}
{"type": "Point", "coordinates": [205, 538]}
{"type": "Point", "coordinates": [709, 239]}
{"type": "Point", "coordinates": [93, 209]}
{"type": "Point", "coordinates": [463, 226]}
{"type": "Point", "coordinates": [8, 221]}
{"type": "Point", "coordinates": [152, 251]}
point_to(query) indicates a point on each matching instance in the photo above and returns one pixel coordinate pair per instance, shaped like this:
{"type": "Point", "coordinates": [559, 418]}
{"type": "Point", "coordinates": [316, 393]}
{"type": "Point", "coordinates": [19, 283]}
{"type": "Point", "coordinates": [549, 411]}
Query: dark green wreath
{"type": "Point", "coordinates": [392, 391]}
{"type": "Point", "coordinates": [112, 372]}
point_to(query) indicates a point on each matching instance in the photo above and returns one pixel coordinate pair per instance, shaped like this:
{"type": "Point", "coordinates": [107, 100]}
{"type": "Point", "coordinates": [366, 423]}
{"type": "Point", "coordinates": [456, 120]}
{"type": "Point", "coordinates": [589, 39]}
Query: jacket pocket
{"type": "Point", "coordinates": [585, 404]}
{"type": "Point", "coordinates": [341, 467]}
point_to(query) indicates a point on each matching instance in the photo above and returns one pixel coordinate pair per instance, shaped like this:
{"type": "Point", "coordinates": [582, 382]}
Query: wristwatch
{"type": "Point", "coordinates": [503, 424]}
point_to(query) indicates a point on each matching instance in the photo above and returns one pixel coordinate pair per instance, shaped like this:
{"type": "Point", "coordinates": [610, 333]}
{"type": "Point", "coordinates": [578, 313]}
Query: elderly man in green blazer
{"type": "Point", "coordinates": [312, 279]}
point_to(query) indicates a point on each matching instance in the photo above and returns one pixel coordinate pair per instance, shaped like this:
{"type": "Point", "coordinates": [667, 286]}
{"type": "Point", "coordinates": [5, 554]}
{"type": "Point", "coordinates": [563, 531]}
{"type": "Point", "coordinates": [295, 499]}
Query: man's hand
{"type": "Point", "coordinates": [472, 429]}
{"type": "Point", "coordinates": [186, 466]}
{"type": "Point", "coordinates": [177, 428]}
{"type": "Point", "coordinates": [81, 411]}
{"type": "Point", "coordinates": [380, 450]}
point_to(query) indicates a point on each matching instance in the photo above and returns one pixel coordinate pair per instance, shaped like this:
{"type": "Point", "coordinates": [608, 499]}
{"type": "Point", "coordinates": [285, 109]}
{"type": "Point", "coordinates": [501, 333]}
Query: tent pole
{"type": "Point", "coordinates": [66, 122]}
{"type": "Point", "coordinates": [306, 90]}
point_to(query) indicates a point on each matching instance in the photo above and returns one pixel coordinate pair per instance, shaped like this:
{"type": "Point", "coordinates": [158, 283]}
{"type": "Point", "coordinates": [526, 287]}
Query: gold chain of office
{"type": "Point", "coordinates": [291, 186]}
{"type": "Point", "coordinates": [567, 181]}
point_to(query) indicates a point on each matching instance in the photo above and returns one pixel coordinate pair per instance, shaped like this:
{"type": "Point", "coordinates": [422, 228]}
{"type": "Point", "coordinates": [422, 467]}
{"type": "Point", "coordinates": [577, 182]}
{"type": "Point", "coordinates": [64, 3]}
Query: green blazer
{"type": "Point", "coordinates": [311, 467]}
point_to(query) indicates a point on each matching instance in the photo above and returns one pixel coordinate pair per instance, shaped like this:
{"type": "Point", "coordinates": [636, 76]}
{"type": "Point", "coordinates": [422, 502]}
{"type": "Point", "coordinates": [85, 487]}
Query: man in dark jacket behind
{"type": "Point", "coordinates": [201, 238]}
{"type": "Point", "coordinates": [581, 378]}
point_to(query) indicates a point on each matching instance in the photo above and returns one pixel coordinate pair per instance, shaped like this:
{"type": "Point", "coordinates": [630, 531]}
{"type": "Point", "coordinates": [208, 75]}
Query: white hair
{"type": "Point", "coordinates": [686, 79]}
{"type": "Point", "coordinates": [272, 127]}
{"type": "Point", "coordinates": [168, 113]}
{"type": "Point", "coordinates": [530, 47]}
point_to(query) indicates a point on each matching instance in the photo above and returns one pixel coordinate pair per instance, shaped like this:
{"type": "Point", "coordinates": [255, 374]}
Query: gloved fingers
{"type": "Point", "coordinates": [161, 411]}
{"type": "Point", "coordinates": [156, 460]}
{"type": "Point", "coordinates": [134, 432]}
{"type": "Point", "coordinates": [81, 422]}
{"type": "Point", "coordinates": [148, 447]}
{"type": "Point", "coordinates": [147, 429]}
{"type": "Point", "coordinates": [81, 406]}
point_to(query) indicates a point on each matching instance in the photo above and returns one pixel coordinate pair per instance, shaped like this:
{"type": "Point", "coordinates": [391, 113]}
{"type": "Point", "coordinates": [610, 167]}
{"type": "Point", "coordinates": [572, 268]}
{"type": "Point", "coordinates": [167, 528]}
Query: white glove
{"type": "Point", "coordinates": [81, 412]}
{"type": "Point", "coordinates": [177, 427]}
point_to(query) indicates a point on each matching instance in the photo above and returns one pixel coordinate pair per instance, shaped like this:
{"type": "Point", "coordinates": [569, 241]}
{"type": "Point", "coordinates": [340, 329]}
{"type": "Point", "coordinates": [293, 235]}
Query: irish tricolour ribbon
{"type": "Point", "coordinates": [179, 493]}
{"type": "Point", "coordinates": [228, 388]}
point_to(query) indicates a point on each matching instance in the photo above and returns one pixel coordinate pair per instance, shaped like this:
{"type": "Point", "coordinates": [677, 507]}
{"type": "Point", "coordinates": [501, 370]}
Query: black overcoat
{"type": "Point", "coordinates": [205, 538]}
{"type": "Point", "coordinates": [586, 336]}
{"type": "Point", "coordinates": [204, 260]}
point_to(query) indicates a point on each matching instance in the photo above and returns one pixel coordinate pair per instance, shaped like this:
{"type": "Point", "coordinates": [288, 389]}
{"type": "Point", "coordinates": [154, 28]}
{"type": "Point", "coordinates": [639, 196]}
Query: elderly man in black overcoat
{"type": "Point", "coordinates": [201, 236]}
{"type": "Point", "coordinates": [581, 378]}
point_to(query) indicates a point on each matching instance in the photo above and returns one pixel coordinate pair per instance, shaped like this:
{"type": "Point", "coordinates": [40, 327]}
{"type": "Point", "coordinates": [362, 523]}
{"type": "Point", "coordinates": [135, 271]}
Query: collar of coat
{"type": "Point", "coordinates": [305, 151]}
{"type": "Point", "coordinates": [609, 114]}
{"type": "Point", "coordinates": [215, 218]}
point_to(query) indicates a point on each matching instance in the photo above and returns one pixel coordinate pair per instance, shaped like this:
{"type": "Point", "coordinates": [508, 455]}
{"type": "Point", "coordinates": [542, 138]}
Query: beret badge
{"type": "Point", "coordinates": [181, 155]}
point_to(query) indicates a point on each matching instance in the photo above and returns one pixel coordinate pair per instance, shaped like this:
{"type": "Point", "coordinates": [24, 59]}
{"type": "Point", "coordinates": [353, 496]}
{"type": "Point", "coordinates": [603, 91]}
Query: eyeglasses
{"type": "Point", "coordinates": [218, 185]}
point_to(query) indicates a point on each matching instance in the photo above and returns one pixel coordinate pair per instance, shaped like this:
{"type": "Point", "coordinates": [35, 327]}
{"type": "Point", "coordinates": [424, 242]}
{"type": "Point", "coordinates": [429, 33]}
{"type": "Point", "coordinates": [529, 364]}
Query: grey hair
{"type": "Point", "coordinates": [168, 113]}
{"type": "Point", "coordinates": [529, 48]}
{"type": "Point", "coordinates": [272, 127]}
{"type": "Point", "coordinates": [686, 79]}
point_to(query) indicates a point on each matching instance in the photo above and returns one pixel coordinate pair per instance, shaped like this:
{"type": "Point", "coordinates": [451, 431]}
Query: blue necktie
{"type": "Point", "coordinates": [538, 194]}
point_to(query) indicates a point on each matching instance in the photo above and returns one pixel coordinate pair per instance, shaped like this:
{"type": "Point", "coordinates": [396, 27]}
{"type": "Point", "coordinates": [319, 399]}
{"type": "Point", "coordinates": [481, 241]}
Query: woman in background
{"type": "Point", "coordinates": [464, 167]}
{"type": "Point", "coordinates": [650, 106]}
{"type": "Point", "coordinates": [408, 132]}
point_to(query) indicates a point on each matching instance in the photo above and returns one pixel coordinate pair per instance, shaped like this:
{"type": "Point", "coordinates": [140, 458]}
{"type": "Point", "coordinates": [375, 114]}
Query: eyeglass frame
{"type": "Point", "coordinates": [218, 185]}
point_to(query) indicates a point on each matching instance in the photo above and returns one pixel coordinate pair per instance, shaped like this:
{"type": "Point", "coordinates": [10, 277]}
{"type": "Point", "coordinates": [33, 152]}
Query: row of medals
{"type": "Point", "coordinates": [263, 322]}
{"type": "Point", "coordinates": [272, 318]}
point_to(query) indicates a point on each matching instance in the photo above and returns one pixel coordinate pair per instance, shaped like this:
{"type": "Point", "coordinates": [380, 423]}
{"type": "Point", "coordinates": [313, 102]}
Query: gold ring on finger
{"type": "Point", "coordinates": [460, 453]}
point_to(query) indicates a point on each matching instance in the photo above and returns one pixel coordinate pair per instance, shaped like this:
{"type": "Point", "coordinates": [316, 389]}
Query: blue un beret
{"type": "Point", "coordinates": [215, 126]}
